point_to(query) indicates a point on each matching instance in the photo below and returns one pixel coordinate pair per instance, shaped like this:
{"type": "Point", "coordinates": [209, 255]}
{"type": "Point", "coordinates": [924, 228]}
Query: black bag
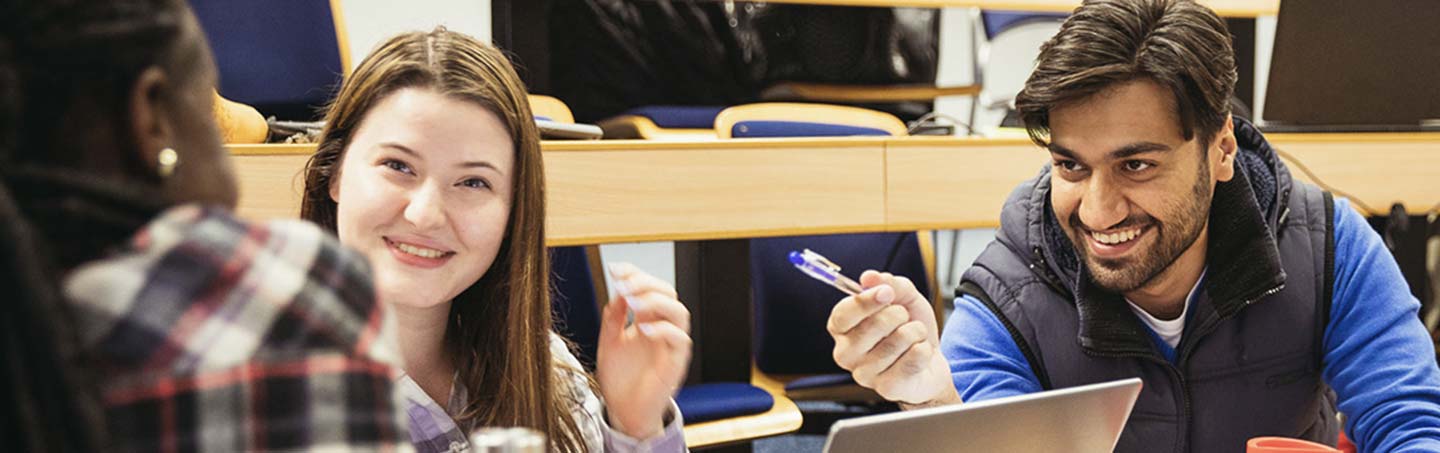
{"type": "Point", "coordinates": [608, 56]}
{"type": "Point", "coordinates": [837, 44]}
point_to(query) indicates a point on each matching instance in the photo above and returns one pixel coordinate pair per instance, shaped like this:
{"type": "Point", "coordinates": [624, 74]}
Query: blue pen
{"type": "Point", "coordinates": [821, 269]}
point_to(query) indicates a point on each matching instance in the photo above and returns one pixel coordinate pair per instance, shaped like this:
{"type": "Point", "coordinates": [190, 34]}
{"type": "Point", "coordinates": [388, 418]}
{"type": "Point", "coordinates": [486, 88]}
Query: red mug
{"type": "Point", "coordinates": [1286, 445]}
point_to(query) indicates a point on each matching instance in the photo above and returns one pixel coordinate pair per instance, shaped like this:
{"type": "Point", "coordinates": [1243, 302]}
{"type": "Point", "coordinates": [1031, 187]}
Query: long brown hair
{"type": "Point", "coordinates": [498, 330]}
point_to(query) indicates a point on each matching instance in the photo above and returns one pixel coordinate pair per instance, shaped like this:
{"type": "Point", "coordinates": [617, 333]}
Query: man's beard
{"type": "Point", "coordinates": [1170, 241]}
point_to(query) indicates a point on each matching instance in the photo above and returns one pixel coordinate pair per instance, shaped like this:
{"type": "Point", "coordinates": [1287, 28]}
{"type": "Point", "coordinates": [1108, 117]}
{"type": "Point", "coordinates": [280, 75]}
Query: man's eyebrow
{"type": "Point", "coordinates": [1063, 151]}
{"type": "Point", "coordinates": [1138, 148]}
{"type": "Point", "coordinates": [1118, 154]}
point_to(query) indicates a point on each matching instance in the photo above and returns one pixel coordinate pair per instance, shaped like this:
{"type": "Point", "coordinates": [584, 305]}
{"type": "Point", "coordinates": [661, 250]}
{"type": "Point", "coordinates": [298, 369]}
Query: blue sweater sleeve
{"type": "Point", "coordinates": [1378, 356]}
{"type": "Point", "coordinates": [985, 362]}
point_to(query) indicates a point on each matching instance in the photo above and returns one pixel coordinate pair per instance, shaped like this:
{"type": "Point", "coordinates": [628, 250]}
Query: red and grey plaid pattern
{"type": "Point", "coordinates": [211, 334]}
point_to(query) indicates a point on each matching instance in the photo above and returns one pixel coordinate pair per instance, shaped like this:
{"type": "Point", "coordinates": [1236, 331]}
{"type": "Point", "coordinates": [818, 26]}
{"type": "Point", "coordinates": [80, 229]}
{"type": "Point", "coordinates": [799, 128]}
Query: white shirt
{"type": "Point", "coordinates": [1168, 330]}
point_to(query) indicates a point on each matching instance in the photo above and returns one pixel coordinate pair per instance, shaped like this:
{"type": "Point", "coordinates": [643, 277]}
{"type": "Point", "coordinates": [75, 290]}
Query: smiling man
{"type": "Point", "coordinates": [1166, 241]}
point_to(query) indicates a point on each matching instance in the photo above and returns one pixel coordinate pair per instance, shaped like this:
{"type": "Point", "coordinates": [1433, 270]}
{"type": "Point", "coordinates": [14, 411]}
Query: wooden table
{"type": "Point", "coordinates": [634, 190]}
{"type": "Point", "coordinates": [950, 183]}
{"type": "Point", "coordinates": [712, 196]}
{"type": "Point", "coordinates": [629, 191]}
{"type": "Point", "coordinates": [1225, 8]}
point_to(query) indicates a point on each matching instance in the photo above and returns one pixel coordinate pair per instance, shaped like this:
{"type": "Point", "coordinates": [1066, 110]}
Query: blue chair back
{"type": "Point", "coordinates": [997, 22]}
{"type": "Point", "coordinates": [280, 56]}
{"type": "Point", "coordinates": [679, 116]}
{"type": "Point", "coordinates": [577, 317]}
{"type": "Point", "coordinates": [791, 309]}
{"type": "Point", "coordinates": [574, 300]}
{"type": "Point", "coordinates": [762, 129]}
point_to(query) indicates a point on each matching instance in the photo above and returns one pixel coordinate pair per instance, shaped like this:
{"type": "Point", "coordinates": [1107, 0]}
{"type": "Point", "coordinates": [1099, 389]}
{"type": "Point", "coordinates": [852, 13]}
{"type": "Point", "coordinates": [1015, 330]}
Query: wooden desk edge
{"type": "Point", "coordinates": [1266, 8]}
{"type": "Point", "coordinates": [619, 145]}
{"type": "Point", "coordinates": [727, 234]}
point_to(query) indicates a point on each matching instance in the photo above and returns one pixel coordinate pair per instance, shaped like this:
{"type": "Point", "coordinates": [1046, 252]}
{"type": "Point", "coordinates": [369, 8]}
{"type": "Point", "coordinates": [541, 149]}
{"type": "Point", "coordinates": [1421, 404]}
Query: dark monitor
{"type": "Point", "coordinates": [1355, 65]}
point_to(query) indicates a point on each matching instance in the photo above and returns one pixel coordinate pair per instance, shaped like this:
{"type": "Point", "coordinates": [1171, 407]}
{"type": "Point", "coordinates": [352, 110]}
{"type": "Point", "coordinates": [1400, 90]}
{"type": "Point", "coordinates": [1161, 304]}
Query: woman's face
{"type": "Point", "coordinates": [424, 191]}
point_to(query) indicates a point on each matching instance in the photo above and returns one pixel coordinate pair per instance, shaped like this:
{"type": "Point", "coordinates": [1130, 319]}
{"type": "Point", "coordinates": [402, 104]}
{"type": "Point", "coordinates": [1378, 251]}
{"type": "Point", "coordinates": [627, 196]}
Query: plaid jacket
{"type": "Point", "coordinates": [210, 334]}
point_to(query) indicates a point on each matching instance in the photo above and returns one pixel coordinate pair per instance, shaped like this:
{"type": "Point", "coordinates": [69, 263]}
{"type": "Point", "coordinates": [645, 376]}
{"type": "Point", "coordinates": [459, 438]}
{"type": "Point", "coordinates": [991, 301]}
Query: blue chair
{"type": "Point", "coordinates": [715, 413]}
{"type": "Point", "coordinates": [574, 295]}
{"type": "Point", "coordinates": [792, 119]}
{"type": "Point", "coordinates": [283, 57]}
{"type": "Point", "coordinates": [663, 122]}
{"type": "Point", "coordinates": [791, 309]}
{"type": "Point", "coordinates": [1007, 45]}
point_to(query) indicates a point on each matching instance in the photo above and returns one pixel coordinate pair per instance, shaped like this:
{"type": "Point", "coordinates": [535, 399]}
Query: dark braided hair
{"type": "Point", "coordinates": [66, 70]}
{"type": "Point", "coordinates": [48, 409]}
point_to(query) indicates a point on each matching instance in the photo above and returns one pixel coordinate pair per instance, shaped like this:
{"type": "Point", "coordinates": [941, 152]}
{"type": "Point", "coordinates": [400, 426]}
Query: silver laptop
{"type": "Point", "coordinates": [1078, 419]}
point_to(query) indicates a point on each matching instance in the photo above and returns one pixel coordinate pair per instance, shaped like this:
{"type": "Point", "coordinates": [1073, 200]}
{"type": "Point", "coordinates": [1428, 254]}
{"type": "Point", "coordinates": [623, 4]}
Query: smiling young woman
{"type": "Point", "coordinates": [430, 166]}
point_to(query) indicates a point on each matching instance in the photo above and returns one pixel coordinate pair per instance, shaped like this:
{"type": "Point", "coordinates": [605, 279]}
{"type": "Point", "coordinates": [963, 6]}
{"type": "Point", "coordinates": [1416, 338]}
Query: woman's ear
{"type": "Point", "coordinates": [149, 116]}
{"type": "Point", "coordinates": [335, 181]}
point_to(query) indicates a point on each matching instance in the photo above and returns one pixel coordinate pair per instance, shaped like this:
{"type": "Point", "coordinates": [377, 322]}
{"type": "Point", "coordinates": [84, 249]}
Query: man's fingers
{"type": "Point", "coordinates": [888, 350]}
{"type": "Point", "coordinates": [870, 278]}
{"type": "Point", "coordinates": [900, 382]}
{"type": "Point", "coordinates": [852, 346]}
{"type": "Point", "coordinates": [854, 309]}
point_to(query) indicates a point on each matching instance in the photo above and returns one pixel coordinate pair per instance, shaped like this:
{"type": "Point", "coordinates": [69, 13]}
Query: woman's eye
{"type": "Point", "coordinates": [475, 183]}
{"type": "Point", "coordinates": [397, 166]}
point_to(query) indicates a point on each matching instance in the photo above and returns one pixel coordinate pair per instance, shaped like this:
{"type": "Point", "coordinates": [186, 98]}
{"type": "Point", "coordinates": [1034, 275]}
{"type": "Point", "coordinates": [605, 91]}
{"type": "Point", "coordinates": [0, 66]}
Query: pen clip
{"type": "Point", "coordinates": [820, 268]}
{"type": "Point", "coordinates": [820, 260]}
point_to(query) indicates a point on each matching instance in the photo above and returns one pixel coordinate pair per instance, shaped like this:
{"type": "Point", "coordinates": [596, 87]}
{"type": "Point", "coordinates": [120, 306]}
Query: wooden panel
{"type": "Point", "coordinates": [627, 191]}
{"type": "Point", "coordinates": [1226, 8]}
{"type": "Point", "coordinates": [962, 183]}
{"type": "Point", "coordinates": [623, 191]}
{"type": "Point", "coordinates": [955, 183]}
{"type": "Point", "coordinates": [270, 184]}
{"type": "Point", "coordinates": [1376, 169]}
{"type": "Point", "coordinates": [680, 194]}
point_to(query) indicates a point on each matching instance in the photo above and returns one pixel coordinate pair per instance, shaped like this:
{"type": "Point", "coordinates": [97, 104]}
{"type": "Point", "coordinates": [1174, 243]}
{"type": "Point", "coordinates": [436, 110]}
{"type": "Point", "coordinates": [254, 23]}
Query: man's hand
{"type": "Point", "coordinates": [888, 339]}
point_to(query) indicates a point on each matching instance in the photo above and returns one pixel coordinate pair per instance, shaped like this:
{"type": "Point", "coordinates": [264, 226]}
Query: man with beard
{"type": "Point", "coordinates": [1166, 241]}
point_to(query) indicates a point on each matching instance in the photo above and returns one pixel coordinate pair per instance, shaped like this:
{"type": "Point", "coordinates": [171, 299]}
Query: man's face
{"type": "Point", "coordinates": [1127, 188]}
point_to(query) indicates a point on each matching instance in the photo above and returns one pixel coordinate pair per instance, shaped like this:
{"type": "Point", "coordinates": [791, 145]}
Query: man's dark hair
{"type": "Point", "coordinates": [1178, 44]}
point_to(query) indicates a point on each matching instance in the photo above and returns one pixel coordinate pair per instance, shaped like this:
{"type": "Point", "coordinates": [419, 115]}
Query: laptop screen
{"type": "Point", "coordinates": [1355, 63]}
{"type": "Point", "coordinates": [1083, 419]}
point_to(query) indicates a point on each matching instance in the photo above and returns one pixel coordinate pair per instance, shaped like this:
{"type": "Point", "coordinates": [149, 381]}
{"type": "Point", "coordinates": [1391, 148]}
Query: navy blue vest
{"type": "Point", "coordinates": [1249, 361]}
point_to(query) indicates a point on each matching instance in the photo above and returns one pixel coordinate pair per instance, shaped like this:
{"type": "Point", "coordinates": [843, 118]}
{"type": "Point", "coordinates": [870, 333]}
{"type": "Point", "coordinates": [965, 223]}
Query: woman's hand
{"type": "Point", "coordinates": [640, 366]}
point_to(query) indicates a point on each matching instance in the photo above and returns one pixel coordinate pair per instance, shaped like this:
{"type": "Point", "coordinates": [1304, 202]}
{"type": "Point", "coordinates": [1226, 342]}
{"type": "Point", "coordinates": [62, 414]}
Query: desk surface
{"type": "Point", "coordinates": [631, 191]}
{"type": "Point", "coordinates": [1225, 8]}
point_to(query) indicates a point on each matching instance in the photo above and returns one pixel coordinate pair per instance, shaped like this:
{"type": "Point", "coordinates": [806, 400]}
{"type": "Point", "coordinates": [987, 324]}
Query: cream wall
{"type": "Point", "coordinates": [369, 22]}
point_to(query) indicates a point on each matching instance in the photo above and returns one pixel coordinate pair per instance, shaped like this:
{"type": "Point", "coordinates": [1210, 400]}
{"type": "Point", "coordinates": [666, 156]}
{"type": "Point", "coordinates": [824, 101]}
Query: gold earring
{"type": "Point", "coordinates": [168, 160]}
